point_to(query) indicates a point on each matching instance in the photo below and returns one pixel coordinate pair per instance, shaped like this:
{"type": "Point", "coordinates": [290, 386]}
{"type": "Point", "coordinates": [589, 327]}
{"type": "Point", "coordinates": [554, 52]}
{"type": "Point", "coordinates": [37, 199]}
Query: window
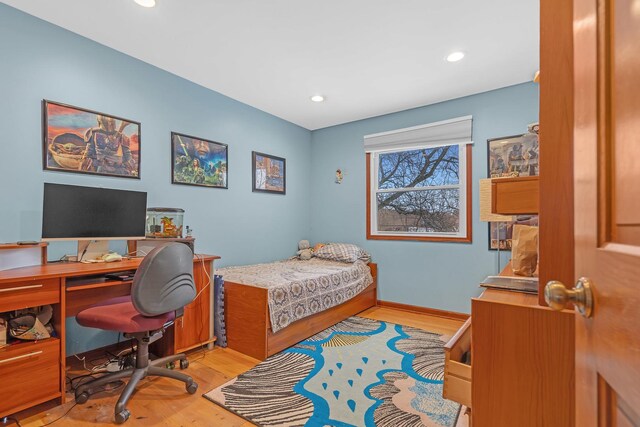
{"type": "Point", "coordinates": [419, 193]}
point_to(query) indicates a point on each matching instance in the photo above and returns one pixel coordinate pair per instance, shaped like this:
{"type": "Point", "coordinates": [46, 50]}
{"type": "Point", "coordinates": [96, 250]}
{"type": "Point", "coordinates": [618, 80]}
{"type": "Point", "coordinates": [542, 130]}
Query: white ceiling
{"type": "Point", "coordinates": [368, 57]}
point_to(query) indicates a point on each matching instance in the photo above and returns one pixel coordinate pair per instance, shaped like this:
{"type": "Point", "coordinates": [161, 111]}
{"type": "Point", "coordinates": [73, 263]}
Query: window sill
{"type": "Point", "coordinates": [466, 239]}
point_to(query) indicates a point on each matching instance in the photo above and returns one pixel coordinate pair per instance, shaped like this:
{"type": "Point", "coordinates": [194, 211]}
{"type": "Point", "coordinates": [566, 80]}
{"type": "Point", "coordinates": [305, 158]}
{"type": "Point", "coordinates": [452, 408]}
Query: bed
{"type": "Point", "coordinates": [270, 307]}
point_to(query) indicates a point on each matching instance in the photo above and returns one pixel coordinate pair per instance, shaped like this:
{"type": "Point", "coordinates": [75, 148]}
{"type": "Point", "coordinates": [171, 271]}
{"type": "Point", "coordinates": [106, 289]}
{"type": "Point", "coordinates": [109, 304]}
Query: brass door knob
{"type": "Point", "coordinates": [558, 296]}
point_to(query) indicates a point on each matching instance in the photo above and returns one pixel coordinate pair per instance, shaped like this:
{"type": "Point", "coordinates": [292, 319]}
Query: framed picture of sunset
{"type": "Point", "coordinates": [85, 141]}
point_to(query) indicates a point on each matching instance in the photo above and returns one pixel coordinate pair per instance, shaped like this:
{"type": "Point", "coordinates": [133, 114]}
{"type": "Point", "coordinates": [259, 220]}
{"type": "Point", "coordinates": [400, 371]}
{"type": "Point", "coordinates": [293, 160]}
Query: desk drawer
{"type": "Point", "coordinates": [457, 373]}
{"type": "Point", "coordinates": [31, 293]}
{"type": "Point", "coordinates": [30, 373]}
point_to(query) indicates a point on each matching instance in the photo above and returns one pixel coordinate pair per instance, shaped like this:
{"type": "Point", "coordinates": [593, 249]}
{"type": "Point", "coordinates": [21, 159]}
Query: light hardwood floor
{"type": "Point", "coordinates": [163, 402]}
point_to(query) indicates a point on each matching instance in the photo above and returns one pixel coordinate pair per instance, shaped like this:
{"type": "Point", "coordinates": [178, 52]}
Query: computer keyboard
{"type": "Point", "coordinates": [121, 275]}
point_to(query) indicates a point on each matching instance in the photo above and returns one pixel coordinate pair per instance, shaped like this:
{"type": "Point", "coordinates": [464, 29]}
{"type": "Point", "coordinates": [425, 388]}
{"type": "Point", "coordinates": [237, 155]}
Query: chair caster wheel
{"type": "Point", "coordinates": [184, 364]}
{"type": "Point", "coordinates": [82, 397]}
{"type": "Point", "coordinates": [192, 388]}
{"type": "Point", "coordinates": [123, 416]}
{"type": "Point", "coordinates": [171, 365]}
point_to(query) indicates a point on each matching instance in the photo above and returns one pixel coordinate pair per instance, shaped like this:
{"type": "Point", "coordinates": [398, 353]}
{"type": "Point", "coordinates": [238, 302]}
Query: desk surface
{"type": "Point", "coordinates": [72, 269]}
{"type": "Point", "coordinates": [509, 297]}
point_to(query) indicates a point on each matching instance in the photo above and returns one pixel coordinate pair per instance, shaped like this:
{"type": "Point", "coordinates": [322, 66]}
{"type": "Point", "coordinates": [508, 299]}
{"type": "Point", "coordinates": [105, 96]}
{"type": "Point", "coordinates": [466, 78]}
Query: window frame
{"type": "Point", "coordinates": [464, 236]}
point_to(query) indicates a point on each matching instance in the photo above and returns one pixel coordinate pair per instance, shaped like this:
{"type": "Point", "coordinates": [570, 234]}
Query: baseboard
{"type": "Point", "coordinates": [425, 310]}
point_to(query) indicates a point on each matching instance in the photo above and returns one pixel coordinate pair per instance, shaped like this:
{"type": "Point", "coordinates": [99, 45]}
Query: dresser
{"type": "Point", "coordinates": [512, 362]}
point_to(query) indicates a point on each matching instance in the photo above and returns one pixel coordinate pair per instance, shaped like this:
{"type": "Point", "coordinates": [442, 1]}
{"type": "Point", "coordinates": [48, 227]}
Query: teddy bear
{"type": "Point", "coordinates": [305, 252]}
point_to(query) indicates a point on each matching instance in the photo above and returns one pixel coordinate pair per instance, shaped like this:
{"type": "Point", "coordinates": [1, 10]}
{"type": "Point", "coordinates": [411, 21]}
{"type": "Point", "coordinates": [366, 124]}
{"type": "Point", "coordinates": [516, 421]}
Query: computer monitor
{"type": "Point", "coordinates": [90, 214]}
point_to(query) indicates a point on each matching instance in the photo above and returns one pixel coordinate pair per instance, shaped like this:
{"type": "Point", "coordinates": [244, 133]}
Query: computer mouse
{"type": "Point", "coordinates": [111, 257]}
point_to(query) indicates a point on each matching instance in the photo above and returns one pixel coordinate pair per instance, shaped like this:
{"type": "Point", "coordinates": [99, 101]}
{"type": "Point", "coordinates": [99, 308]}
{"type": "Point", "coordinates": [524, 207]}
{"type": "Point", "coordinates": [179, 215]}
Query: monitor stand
{"type": "Point", "coordinates": [92, 249]}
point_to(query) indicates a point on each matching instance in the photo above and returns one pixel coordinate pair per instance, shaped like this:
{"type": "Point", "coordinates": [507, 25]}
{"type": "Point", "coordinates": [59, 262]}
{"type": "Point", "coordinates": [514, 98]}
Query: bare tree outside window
{"type": "Point", "coordinates": [418, 191]}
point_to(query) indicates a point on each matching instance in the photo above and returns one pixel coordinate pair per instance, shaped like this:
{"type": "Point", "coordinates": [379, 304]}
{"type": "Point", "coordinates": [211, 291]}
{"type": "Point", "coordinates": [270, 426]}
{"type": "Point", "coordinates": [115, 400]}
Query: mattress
{"type": "Point", "coordinates": [297, 289]}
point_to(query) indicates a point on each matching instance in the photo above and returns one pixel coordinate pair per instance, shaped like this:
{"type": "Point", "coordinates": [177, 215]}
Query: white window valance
{"type": "Point", "coordinates": [446, 132]}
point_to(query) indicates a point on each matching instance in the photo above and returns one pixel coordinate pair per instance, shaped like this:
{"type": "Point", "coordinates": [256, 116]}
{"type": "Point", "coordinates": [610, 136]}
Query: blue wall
{"type": "Point", "coordinates": [40, 60]}
{"type": "Point", "coordinates": [437, 275]}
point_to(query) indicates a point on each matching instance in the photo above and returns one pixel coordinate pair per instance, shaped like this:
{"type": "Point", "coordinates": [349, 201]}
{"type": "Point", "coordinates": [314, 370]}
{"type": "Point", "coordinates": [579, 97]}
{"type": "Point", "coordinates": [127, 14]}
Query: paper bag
{"type": "Point", "coordinates": [31, 324]}
{"type": "Point", "coordinates": [524, 250]}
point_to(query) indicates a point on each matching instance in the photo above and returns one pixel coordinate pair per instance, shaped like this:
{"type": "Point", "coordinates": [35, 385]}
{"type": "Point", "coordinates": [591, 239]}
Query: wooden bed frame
{"type": "Point", "coordinates": [249, 328]}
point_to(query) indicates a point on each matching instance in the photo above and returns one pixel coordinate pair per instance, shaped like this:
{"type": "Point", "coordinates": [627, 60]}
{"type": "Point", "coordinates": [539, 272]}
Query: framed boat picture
{"type": "Point", "coordinates": [198, 161]}
{"type": "Point", "coordinates": [269, 173]}
{"type": "Point", "coordinates": [85, 141]}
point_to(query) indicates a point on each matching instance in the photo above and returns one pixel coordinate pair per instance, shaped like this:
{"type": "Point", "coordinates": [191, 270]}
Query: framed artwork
{"type": "Point", "coordinates": [513, 156]}
{"type": "Point", "coordinates": [269, 173]}
{"type": "Point", "coordinates": [198, 161]}
{"type": "Point", "coordinates": [509, 157]}
{"type": "Point", "coordinates": [85, 141]}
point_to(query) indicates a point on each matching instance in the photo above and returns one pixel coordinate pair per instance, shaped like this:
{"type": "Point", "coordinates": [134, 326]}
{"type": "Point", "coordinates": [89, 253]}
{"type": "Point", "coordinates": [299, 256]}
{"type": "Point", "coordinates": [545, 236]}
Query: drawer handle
{"type": "Point", "coordinates": [11, 359]}
{"type": "Point", "coordinates": [20, 288]}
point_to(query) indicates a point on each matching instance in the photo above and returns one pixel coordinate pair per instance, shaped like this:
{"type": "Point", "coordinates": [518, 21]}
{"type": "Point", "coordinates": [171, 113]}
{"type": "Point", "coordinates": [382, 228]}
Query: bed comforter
{"type": "Point", "coordinates": [297, 289]}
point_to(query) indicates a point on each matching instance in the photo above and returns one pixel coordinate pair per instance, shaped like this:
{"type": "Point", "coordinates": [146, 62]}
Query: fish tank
{"type": "Point", "coordinates": [164, 222]}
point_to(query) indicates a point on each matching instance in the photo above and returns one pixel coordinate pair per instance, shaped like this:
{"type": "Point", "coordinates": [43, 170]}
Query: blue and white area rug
{"type": "Point", "coordinates": [360, 372]}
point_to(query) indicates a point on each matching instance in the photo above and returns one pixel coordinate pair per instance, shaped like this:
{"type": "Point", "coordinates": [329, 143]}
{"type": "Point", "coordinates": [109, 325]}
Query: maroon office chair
{"type": "Point", "coordinates": [162, 286]}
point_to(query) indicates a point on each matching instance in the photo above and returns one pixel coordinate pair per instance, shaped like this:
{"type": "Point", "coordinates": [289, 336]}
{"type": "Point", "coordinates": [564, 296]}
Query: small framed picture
{"type": "Point", "coordinates": [85, 141]}
{"type": "Point", "coordinates": [198, 161]}
{"type": "Point", "coordinates": [269, 173]}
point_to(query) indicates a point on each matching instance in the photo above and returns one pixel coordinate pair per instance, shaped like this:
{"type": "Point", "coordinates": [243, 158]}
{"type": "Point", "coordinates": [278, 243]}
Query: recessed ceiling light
{"type": "Point", "coordinates": [146, 3]}
{"type": "Point", "coordinates": [455, 56]}
{"type": "Point", "coordinates": [317, 98]}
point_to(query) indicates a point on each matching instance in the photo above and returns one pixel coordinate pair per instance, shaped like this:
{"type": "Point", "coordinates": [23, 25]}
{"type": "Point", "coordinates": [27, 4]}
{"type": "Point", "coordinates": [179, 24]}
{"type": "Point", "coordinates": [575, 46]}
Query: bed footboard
{"type": "Point", "coordinates": [246, 315]}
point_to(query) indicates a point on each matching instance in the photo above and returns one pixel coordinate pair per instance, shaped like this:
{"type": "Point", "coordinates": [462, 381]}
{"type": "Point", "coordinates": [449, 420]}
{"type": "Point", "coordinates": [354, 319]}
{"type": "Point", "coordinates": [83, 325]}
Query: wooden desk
{"type": "Point", "coordinates": [34, 372]}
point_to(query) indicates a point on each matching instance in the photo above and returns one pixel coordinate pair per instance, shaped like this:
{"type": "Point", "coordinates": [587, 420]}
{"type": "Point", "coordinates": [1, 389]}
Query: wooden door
{"type": "Point", "coordinates": [607, 209]}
